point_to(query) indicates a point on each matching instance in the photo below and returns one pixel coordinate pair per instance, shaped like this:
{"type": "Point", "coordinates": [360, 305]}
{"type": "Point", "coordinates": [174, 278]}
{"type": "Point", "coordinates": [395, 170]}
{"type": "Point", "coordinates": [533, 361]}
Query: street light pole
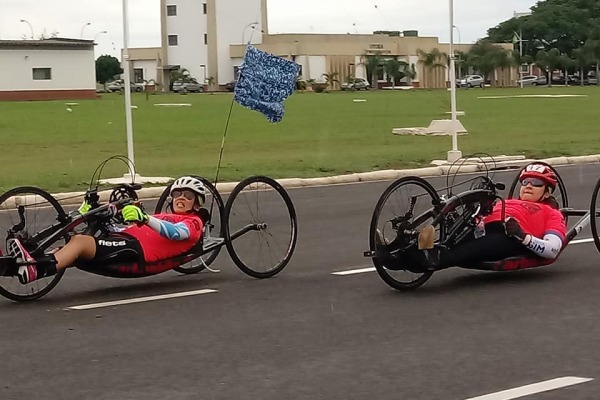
{"type": "Point", "coordinates": [30, 27]}
{"type": "Point", "coordinates": [453, 154]}
{"type": "Point", "coordinates": [251, 24]}
{"type": "Point", "coordinates": [127, 84]}
{"type": "Point", "coordinates": [82, 28]}
{"type": "Point", "coordinates": [459, 42]}
{"type": "Point", "coordinates": [98, 34]}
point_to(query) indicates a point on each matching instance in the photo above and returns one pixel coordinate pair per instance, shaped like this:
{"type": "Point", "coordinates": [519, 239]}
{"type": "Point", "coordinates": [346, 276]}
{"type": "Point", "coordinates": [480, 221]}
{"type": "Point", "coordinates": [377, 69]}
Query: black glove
{"type": "Point", "coordinates": [514, 229]}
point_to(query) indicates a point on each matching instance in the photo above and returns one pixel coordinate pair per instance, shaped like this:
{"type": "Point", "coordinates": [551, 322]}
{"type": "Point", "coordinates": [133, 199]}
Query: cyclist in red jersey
{"type": "Point", "coordinates": [150, 237]}
{"type": "Point", "coordinates": [532, 225]}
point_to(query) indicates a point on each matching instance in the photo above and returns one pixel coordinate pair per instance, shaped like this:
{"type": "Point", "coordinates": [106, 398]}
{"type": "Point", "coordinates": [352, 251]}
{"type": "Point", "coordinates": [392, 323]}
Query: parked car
{"type": "Point", "coordinates": [532, 80]}
{"type": "Point", "coordinates": [356, 84]}
{"type": "Point", "coordinates": [230, 86]}
{"type": "Point", "coordinates": [117, 86]}
{"type": "Point", "coordinates": [560, 80]}
{"type": "Point", "coordinates": [192, 86]}
{"type": "Point", "coordinates": [470, 81]}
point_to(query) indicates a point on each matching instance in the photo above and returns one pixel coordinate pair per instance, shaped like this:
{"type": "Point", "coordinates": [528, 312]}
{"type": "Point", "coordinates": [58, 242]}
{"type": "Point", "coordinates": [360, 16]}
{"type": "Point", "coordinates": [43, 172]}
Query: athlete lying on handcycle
{"type": "Point", "coordinates": [531, 225]}
{"type": "Point", "coordinates": [150, 237]}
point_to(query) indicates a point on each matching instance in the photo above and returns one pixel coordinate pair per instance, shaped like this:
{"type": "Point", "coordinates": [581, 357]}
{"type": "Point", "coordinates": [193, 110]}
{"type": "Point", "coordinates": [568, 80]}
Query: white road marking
{"type": "Point", "coordinates": [582, 241]}
{"type": "Point", "coordinates": [354, 271]}
{"type": "Point", "coordinates": [534, 388]}
{"type": "Point", "coordinates": [141, 299]}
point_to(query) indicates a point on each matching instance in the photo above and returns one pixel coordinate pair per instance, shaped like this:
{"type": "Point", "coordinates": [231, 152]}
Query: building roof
{"type": "Point", "coordinates": [48, 44]}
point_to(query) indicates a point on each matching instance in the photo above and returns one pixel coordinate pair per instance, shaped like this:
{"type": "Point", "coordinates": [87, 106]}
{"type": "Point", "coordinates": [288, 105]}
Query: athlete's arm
{"type": "Point", "coordinates": [169, 230]}
{"type": "Point", "coordinates": [548, 247]}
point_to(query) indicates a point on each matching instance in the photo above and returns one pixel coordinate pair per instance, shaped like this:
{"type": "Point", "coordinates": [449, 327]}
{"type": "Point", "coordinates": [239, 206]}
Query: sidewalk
{"type": "Point", "coordinates": [441, 168]}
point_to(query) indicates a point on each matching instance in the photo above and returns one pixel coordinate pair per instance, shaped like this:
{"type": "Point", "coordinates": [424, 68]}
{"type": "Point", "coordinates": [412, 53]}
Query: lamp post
{"type": "Point", "coordinates": [253, 26]}
{"type": "Point", "coordinates": [83, 28]}
{"type": "Point", "coordinates": [127, 82]}
{"type": "Point", "coordinates": [30, 27]}
{"type": "Point", "coordinates": [98, 34]}
{"type": "Point", "coordinates": [453, 154]}
{"type": "Point", "coordinates": [459, 42]}
{"type": "Point", "coordinates": [519, 36]}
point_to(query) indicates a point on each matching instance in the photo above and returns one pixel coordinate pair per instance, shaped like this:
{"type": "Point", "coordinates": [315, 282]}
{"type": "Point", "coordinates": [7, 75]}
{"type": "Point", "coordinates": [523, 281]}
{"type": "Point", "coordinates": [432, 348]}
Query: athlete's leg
{"type": "Point", "coordinates": [79, 247]}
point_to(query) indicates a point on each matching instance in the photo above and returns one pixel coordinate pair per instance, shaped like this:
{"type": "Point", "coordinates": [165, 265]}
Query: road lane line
{"type": "Point", "coordinates": [141, 299]}
{"type": "Point", "coordinates": [534, 388]}
{"type": "Point", "coordinates": [579, 241]}
{"type": "Point", "coordinates": [353, 271]}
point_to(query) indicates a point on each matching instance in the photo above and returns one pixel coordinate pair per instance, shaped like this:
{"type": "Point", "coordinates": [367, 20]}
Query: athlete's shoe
{"type": "Point", "coordinates": [26, 273]}
{"type": "Point", "coordinates": [426, 237]}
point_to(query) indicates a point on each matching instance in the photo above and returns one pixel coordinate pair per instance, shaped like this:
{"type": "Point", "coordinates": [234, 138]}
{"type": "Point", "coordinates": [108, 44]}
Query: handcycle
{"type": "Point", "coordinates": [410, 203]}
{"type": "Point", "coordinates": [257, 225]}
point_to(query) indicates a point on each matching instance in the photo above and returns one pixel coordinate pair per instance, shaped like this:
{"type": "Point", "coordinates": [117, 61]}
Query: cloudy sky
{"type": "Point", "coordinates": [430, 17]}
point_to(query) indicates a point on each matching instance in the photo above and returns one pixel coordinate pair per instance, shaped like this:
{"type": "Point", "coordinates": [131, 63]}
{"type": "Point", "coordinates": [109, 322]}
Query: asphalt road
{"type": "Point", "coordinates": [308, 334]}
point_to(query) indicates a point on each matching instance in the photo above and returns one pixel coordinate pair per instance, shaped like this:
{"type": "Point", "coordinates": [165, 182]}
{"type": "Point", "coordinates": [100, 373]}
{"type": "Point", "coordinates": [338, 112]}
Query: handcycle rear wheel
{"type": "Point", "coordinates": [595, 215]}
{"type": "Point", "coordinates": [393, 209]}
{"type": "Point", "coordinates": [261, 226]}
{"type": "Point", "coordinates": [560, 195]}
{"type": "Point", "coordinates": [214, 204]}
{"type": "Point", "coordinates": [40, 211]}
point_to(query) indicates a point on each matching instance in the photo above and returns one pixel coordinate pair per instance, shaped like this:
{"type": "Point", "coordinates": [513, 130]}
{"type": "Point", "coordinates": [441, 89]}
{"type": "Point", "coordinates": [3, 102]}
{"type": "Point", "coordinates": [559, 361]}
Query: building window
{"type": "Point", "coordinates": [172, 40]}
{"type": "Point", "coordinates": [171, 11]}
{"type": "Point", "coordinates": [206, 38]}
{"type": "Point", "coordinates": [42, 74]}
{"type": "Point", "coordinates": [204, 8]}
{"type": "Point", "coordinates": [138, 75]}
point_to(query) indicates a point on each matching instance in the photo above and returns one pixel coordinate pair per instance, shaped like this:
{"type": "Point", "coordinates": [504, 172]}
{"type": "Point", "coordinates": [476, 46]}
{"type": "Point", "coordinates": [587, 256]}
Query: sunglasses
{"type": "Point", "coordinates": [535, 182]}
{"type": "Point", "coordinates": [185, 193]}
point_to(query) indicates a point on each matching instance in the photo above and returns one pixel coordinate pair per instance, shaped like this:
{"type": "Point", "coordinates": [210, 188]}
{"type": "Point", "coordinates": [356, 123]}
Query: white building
{"type": "Point", "coordinates": [209, 37]}
{"type": "Point", "coordinates": [48, 69]}
{"type": "Point", "coordinates": [197, 34]}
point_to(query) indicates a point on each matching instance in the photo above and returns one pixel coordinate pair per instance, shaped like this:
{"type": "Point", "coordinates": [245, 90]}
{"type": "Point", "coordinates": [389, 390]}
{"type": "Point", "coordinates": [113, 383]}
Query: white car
{"type": "Point", "coordinates": [470, 81]}
{"type": "Point", "coordinates": [532, 80]}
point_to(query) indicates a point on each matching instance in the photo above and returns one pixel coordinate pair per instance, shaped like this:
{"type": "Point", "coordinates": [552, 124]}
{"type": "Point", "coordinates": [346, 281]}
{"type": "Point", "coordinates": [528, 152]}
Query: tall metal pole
{"type": "Point", "coordinates": [127, 89]}
{"type": "Point", "coordinates": [453, 154]}
{"type": "Point", "coordinates": [521, 56]}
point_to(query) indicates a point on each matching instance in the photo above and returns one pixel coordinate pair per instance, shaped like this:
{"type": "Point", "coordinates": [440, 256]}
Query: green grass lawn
{"type": "Point", "coordinates": [321, 134]}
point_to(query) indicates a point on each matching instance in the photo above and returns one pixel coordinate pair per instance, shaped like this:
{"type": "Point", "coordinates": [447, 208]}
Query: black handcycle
{"type": "Point", "coordinates": [411, 203]}
{"type": "Point", "coordinates": [257, 225]}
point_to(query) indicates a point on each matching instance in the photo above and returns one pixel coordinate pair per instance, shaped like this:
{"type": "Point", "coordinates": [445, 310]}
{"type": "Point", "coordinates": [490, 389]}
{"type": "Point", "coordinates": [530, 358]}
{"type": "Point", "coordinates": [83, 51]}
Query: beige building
{"type": "Point", "coordinates": [201, 37]}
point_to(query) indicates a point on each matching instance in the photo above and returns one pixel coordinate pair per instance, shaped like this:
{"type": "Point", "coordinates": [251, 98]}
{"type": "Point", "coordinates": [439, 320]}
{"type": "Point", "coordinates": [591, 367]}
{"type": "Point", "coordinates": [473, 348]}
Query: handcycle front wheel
{"type": "Point", "coordinates": [595, 215]}
{"type": "Point", "coordinates": [213, 227]}
{"type": "Point", "coordinates": [403, 209]}
{"type": "Point", "coordinates": [261, 227]}
{"type": "Point", "coordinates": [39, 210]}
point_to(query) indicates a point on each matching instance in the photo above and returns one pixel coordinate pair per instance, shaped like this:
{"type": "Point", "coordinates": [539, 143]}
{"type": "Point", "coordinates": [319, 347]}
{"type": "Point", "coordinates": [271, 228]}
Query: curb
{"type": "Point", "coordinates": [390, 174]}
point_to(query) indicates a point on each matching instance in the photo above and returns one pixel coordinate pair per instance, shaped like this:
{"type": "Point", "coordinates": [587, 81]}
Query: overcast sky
{"type": "Point", "coordinates": [429, 17]}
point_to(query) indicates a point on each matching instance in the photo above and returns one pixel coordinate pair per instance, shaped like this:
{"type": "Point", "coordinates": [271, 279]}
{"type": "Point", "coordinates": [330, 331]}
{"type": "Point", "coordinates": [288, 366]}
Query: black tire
{"type": "Point", "coordinates": [595, 215]}
{"type": "Point", "coordinates": [42, 211]}
{"type": "Point", "coordinates": [388, 209]}
{"type": "Point", "coordinates": [214, 203]}
{"type": "Point", "coordinates": [263, 203]}
{"type": "Point", "coordinates": [560, 195]}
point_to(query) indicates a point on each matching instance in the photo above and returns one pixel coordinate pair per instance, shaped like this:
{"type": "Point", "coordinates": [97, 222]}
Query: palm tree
{"type": "Point", "coordinates": [581, 60]}
{"type": "Point", "coordinates": [330, 78]}
{"type": "Point", "coordinates": [394, 70]}
{"type": "Point", "coordinates": [373, 62]}
{"type": "Point", "coordinates": [548, 61]}
{"type": "Point", "coordinates": [485, 57]}
{"type": "Point", "coordinates": [178, 74]}
{"type": "Point", "coordinates": [432, 62]}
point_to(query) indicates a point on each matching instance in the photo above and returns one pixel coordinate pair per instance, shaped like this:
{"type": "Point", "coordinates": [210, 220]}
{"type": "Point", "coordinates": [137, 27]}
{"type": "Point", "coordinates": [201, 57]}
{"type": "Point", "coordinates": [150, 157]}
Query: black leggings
{"type": "Point", "coordinates": [494, 246]}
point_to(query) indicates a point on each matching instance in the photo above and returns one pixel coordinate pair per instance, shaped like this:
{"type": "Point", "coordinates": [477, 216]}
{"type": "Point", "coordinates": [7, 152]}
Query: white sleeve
{"type": "Point", "coordinates": [548, 247]}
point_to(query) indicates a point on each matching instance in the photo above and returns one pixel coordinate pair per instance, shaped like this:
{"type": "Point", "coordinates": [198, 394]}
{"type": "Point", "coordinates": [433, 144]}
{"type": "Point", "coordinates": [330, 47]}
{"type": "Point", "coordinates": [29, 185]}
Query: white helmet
{"type": "Point", "coordinates": [191, 183]}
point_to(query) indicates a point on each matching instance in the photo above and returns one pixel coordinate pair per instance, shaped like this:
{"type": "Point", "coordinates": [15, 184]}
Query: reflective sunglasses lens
{"type": "Point", "coordinates": [533, 182]}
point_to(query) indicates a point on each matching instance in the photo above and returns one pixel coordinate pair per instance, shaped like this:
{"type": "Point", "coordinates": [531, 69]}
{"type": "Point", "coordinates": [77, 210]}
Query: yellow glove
{"type": "Point", "coordinates": [133, 213]}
